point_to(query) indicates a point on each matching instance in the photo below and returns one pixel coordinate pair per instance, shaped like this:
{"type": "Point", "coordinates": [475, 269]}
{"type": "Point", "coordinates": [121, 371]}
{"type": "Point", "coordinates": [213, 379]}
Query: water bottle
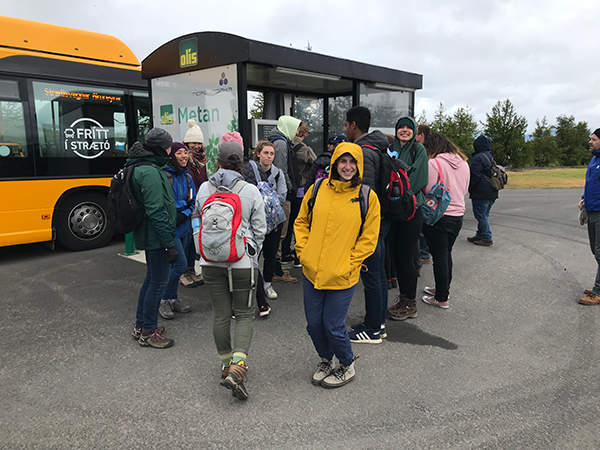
{"type": "Point", "coordinates": [395, 191]}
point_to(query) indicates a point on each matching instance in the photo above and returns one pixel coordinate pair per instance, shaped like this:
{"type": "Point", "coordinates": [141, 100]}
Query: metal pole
{"type": "Point", "coordinates": [129, 247]}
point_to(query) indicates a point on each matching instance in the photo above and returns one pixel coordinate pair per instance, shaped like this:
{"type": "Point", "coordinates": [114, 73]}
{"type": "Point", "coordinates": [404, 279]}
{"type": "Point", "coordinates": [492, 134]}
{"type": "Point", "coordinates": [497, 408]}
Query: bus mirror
{"type": "Point", "coordinates": [4, 151]}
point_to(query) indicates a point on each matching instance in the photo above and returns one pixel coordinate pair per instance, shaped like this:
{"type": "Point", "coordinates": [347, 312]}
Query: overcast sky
{"type": "Point", "coordinates": [544, 55]}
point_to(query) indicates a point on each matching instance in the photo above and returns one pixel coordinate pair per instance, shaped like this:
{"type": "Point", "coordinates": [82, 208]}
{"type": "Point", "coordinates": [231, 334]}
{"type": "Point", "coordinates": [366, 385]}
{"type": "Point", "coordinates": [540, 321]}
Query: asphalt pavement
{"type": "Point", "coordinates": [512, 364]}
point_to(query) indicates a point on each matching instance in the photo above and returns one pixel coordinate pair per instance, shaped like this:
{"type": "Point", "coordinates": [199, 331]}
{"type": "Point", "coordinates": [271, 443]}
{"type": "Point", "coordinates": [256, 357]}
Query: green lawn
{"type": "Point", "coordinates": [547, 179]}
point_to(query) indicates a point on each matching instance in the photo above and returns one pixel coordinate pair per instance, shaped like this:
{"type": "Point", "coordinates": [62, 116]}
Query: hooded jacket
{"type": "Point", "coordinates": [253, 213]}
{"type": "Point", "coordinates": [372, 157]}
{"type": "Point", "coordinates": [591, 190]}
{"type": "Point", "coordinates": [330, 249]}
{"type": "Point", "coordinates": [479, 187]}
{"type": "Point", "coordinates": [455, 172]}
{"type": "Point", "coordinates": [286, 128]}
{"type": "Point", "coordinates": [184, 192]}
{"type": "Point", "coordinates": [418, 173]}
{"type": "Point", "coordinates": [152, 189]}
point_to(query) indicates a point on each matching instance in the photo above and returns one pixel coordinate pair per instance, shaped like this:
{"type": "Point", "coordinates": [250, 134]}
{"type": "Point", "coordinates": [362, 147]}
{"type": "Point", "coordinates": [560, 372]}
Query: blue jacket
{"type": "Point", "coordinates": [591, 191]}
{"type": "Point", "coordinates": [481, 164]}
{"type": "Point", "coordinates": [182, 184]}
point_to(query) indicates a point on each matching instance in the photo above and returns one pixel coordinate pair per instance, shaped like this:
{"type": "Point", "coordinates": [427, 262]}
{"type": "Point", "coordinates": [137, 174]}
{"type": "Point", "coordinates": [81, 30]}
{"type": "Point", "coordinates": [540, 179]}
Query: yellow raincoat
{"type": "Point", "coordinates": [331, 252]}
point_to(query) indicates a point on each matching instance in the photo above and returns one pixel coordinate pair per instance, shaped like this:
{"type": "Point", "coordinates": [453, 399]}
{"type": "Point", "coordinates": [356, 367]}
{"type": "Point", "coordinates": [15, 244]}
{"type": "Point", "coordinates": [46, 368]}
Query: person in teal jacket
{"type": "Point", "coordinates": [156, 234]}
{"type": "Point", "coordinates": [403, 237]}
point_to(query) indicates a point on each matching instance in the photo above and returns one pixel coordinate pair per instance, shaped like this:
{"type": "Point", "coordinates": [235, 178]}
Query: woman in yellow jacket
{"type": "Point", "coordinates": [331, 248]}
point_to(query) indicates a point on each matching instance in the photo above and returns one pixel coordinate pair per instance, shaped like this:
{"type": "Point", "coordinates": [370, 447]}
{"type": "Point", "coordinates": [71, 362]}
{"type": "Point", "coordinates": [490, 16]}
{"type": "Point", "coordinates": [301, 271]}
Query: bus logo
{"type": "Point", "coordinates": [188, 53]}
{"type": "Point", "coordinates": [166, 114]}
{"type": "Point", "coordinates": [87, 138]}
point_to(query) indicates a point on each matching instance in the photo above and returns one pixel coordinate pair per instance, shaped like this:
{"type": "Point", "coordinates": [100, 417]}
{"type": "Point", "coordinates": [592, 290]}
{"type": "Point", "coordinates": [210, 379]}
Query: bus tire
{"type": "Point", "coordinates": [81, 222]}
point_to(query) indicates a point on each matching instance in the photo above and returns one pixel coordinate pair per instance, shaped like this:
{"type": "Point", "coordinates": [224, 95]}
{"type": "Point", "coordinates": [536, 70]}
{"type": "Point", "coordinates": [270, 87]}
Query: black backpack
{"type": "Point", "coordinates": [398, 201]}
{"type": "Point", "coordinates": [124, 211]}
{"type": "Point", "coordinates": [292, 164]}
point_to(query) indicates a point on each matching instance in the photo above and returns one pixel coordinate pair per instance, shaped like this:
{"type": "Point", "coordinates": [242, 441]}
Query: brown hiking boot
{"type": "Point", "coordinates": [407, 311]}
{"type": "Point", "coordinates": [198, 280]}
{"type": "Point", "coordinates": [224, 373]}
{"type": "Point", "coordinates": [235, 381]}
{"type": "Point", "coordinates": [473, 239]}
{"type": "Point", "coordinates": [591, 299]}
{"type": "Point", "coordinates": [286, 278]}
{"type": "Point", "coordinates": [588, 292]}
{"type": "Point", "coordinates": [154, 339]}
{"type": "Point", "coordinates": [483, 243]}
{"type": "Point", "coordinates": [186, 279]}
{"type": "Point", "coordinates": [400, 303]}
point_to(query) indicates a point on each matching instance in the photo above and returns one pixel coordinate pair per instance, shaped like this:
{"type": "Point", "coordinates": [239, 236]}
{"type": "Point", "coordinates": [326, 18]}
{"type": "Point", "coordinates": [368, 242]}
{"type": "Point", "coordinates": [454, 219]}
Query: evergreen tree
{"type": "Point", "coordinates": [440, 118]}
{"type": "Point", "coordinates": [506, 129]}
{"type": "Point", "coordinates": [461, 129]}
{"type": "Point", "coordinates": [572, 141]}
{"type": "Point", "coordinates": [542, 145]}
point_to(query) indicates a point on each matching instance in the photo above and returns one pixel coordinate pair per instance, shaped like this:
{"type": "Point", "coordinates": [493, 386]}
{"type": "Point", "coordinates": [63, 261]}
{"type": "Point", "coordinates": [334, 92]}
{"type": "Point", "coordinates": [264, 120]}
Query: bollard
{"type": "Point", "coordinates": [129, 247]}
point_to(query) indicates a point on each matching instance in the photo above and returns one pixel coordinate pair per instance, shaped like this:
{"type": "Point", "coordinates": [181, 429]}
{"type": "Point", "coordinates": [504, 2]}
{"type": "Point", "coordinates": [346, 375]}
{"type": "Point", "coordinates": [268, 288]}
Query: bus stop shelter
{"type": "Point", "coordinates": [213, 77]}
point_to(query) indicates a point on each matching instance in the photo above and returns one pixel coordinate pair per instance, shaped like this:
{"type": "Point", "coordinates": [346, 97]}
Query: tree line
{"type": "Point", "coordinates": [563, 144]}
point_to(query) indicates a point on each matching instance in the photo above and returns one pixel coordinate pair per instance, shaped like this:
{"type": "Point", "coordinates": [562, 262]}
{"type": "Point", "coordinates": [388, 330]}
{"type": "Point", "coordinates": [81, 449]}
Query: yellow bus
{"type": "Point", "coordinates": [71, 103]}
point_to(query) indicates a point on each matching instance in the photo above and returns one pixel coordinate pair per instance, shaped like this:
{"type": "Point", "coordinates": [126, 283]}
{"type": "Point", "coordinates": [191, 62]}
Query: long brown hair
{"type": "Point", "coordinates": [437, 143]}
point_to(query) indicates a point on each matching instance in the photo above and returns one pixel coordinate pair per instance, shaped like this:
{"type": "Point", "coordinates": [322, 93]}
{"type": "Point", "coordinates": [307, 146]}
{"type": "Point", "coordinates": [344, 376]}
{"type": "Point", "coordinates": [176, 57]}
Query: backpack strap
{"type": "Point", "coordinates": [363, 199]}
{"type": "Point", "coordinates": [256, 172]}
{"type": "Point", "coordinates": [311, 200]}
{"type": "Point", "coordinates": [441, 175]}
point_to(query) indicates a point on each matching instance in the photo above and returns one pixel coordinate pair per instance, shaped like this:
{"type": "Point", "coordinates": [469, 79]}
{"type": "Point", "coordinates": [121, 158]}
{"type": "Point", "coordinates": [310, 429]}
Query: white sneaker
{"type": "Point", "coordinates": [270, 292]}
{"type": "Point", "coordinates": [324, 369]}
{"type": "Point", "coordinates": [339, 377]}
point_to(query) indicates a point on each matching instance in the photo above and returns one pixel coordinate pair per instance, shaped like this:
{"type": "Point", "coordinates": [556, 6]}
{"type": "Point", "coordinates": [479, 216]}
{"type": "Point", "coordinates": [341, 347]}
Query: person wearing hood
{"type": "Point", "coordinates": [373, 144]}
{"type": "Point", "coordinates": [185, 199]}
{"type": "Point", "coordinates": [481, 192]}
{"type": "Point", "coordinates": [230, 284]}
{"type": "Point", "coordinates": [448, 158]}
{"type": "Point", "coordinates": [590, 202]}
{"type": "Point", "coordinates": [404, 236]}
{"type": "Point", "coordinates": [332, 249]}
{"type": "Point", "coordinates": [156, 234]}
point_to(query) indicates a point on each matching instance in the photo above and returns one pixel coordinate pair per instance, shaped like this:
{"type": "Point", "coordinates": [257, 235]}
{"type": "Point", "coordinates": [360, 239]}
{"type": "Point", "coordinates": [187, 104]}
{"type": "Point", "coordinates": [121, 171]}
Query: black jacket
{"type": "Point", "coordinates": [322, 162]}
{"type": "Point", "coordinates": [479, 187]}
{"type": "Point", "coordinates": [372, 157]}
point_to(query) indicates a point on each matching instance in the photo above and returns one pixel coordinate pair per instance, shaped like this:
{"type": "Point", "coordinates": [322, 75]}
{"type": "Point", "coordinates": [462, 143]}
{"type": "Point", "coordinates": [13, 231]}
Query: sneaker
{"type": "Point", "coordinates": [166, 310]}
{"type": "Point", "coordinates": [197, 279]}
{"type": "Point", "coordinates": [590, 299]}
{"type": "Point", "coordinates": [270, 292]}
{"type": "Point", "coordinates": [287, 259]}
{"type": "Point", "coordinates": [425, 260]}
{"type": "Point", "coordinates": [234, 381]}
{"type": "Point", "coordinates": [186, 280]}
{"type": "Point", "coordinates": [404, 309]}
{"type": "Point", "coordinates": [179, 307]}
{"type": "Point", "coordinates": [473, 239]}
{"type": "Point", "coordinates": [429, 290]}
{"type": "Point", "coordinates": [137, 331]}
{"type": "Point", "coordinates": [383, 332]}
{"type": "Point", "coordinates": [264, 310]}
{"type": "Point", "coordinates": [389, 284]}
{"type": "Point", "coordinates": [483, 243]}
{"type": "Point", "coordinates": [365, 336]}
{"type": "Point", "coordinates": [394, 282]}
{"type": "Point", "coordinates": [430, 300]}
{"type": "Point", "coordinates": [286, 278]}
{"type": "Point", "coordinates": [340, 376]}
{"type": "Point", "coordinates": [297, 264]}
{"type": "Point", "coordinates": [324, 369]}
{"type": "Point", "coordinates": [154, 339]}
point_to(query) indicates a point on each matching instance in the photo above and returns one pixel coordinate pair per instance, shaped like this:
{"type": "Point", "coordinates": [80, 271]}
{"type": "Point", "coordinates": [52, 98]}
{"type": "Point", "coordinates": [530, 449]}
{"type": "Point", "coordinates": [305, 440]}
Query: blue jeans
{"type": "Point", "coordinates": [594, 236]}
{"type": "Point", "coordinates": [375, 283]}
{"type": "Point", "coordinates": [181, 265]}
{"type": "Point", "coordinates": [157, 274]}
{"type": "Point", "coordinates": [481, 211]}
{"type": "Point", "coordinates": [326, 321]}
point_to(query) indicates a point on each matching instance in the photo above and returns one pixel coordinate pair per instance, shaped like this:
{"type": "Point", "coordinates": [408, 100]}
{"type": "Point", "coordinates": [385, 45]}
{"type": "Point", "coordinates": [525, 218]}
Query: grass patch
{"type": "Point", "coordinates": [570, 178]}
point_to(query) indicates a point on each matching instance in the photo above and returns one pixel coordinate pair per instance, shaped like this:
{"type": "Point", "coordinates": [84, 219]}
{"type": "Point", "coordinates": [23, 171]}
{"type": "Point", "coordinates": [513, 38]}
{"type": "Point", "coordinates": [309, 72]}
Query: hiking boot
{"type": "Point", "coordinates": [186, 280]}
{"type": "Point", "coordinates": [365, 336]}
{"type": "Point", "coordinates": [166, 310]}
{"type": "Point", "coordinates": [590, 299]}
{"type": "Point", "coordinates": [263, 311]}
{"type": "Point", "coordinates": [287, 259]}
{"type": "Point", "coordinates": [224, 373]}
{"type": "Point", "coordinates": [473, 239]}
{"type": "Point", "coordinates": [483, 243]}
{"type": "Point", "coordinates": [588, 292]}
{"type": "Point", "coordinates": [198, 280]}
{"type": "Point", "coordinates": [324, 369]}
{"type": "Point", "coordinates": [235, 381]}
{"type": "Point", "coordinates": [154, 339]}
{"type": "Point", "coordinates": [400, 303]}
{"type": "Point", "coordinates": [403, 311]}
{"type": "Point", "coordinates": [297, 264]}
{"type": "Point", "coordinates": [137, 331]}
{"type": "Point", "coordinates": [430, 300]}
{"type": "Point", "coordinates": [286, 278]}
{"type": "Point", "coordinates": [340, 376]}
{"type": "Point", "coordinates": [179, 307]}
{"type": "Point", "coordinates": [270, 292]}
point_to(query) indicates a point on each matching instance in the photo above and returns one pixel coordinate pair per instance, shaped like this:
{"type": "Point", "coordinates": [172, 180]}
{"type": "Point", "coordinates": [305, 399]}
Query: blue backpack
{"type": "Point", "coordinates": [436, 200]}
{"type": "Point", "coordinates": [273, 210]}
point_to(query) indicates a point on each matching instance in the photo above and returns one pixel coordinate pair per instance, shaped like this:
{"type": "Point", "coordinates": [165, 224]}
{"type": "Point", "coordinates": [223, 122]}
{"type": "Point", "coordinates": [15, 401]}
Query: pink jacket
{"type": "Point", "coordinates": [456, 176]}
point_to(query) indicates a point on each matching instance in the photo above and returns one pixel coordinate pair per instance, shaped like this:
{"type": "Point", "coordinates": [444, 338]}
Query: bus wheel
{"type": "Point", "coordinates": [81, 222]}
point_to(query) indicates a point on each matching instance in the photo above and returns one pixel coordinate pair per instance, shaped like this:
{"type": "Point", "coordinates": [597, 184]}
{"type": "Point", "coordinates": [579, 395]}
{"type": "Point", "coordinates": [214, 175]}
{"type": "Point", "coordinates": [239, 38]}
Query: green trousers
{"type": "Point", "coordinates": [224, 301]}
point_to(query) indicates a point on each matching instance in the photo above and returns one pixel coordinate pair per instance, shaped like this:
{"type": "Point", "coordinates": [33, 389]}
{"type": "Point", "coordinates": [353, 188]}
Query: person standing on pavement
{"type": "Point", "coordinates": [185, 199]}
{"type": "Point", "coordinates": [590, 201]}
{"type": "Point", "coordinates": [332, 243]}
{"type": "Point", "coordinates": [320, 168]}
{"type": "Point", "coordinates": [423, 256]}
{"type": "Point", "coordinates": [230, 285]}
{"type": "Point", "coordinates": [482, 194]}
{"type": "Point", "coordinates": [156, 234]}
{"type": "Point", "coordinates": [447, 158]}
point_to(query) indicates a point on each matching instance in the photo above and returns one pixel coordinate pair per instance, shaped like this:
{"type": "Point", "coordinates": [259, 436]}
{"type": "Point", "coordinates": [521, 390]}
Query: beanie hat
{"type": "Point", "coordinates": [194, 134]}
{"type": "Point", "coordinates": [158, 141]}
{"type": "Point", "coordinates": [234, 136]}
{"type": "Point", "coordinates": [229, 149]}
{"type": "Point", "coordinates": [597, 132]}
{"type": "Point", "coordinates": [176, 146]}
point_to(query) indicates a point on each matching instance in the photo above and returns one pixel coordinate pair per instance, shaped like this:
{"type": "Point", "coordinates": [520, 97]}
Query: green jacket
{"type": "Point", "coordinates": [152, 189]}
{"type": "Point", "coordinates": [418, 174]}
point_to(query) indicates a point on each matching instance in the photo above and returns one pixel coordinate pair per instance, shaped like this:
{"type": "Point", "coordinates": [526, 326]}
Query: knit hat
{"type": "Point", "coordinates": [228, 149]}
{"type": "Point", "coordinates": [176, 146]}
{"type": "Point", "coordinates": [234, 136]}
{"type": "Point", "coordinates": [597, 132]}
{"type": "Point", "coordinates": [194, 134]}
{"type": "Point", "coordinates": [158, 141]}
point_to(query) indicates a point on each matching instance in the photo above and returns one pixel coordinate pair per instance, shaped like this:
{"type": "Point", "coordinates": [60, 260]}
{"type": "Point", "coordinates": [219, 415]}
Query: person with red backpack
{"type": "Point", "coordinates": [232, 229]}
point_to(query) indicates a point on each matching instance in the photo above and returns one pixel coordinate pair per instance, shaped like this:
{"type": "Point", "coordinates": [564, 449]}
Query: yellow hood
{"type": "Point", "coordinates": [354, 150]}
